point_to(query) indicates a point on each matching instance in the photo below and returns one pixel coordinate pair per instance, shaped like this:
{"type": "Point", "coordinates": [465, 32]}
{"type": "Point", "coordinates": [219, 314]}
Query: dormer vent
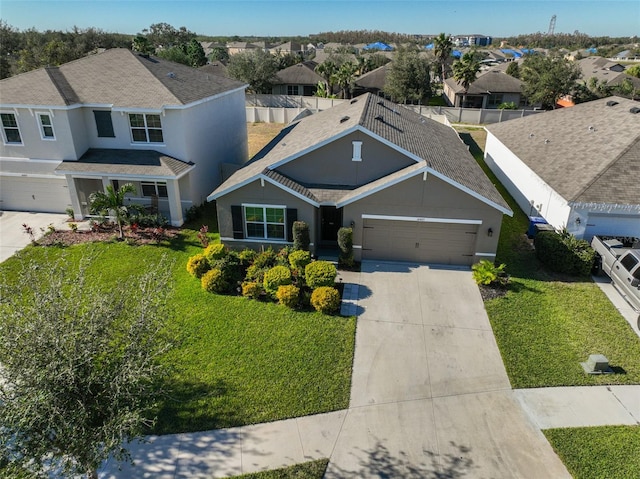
{"type": "Point", "coordinates": [343, 119]}
{"type": "Point", "coordinates": [357, 151]}
{"type": "Point", "coordinates": [634, 110]}
{"type": "Point", "coordinates": [379, 118]}
{"type": "Point", "coordinates": [353, 101]}
{"type": "Point", "coordinates": [612, 103]}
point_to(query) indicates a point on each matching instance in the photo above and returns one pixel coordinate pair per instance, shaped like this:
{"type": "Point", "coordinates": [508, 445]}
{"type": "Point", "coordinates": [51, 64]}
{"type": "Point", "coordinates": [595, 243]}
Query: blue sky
{"type": "Point", "coordinates": [282, 18]}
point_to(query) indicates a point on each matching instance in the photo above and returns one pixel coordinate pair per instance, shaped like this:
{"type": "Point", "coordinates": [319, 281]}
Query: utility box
{"type": "Point", "coordinates": [596, 364]}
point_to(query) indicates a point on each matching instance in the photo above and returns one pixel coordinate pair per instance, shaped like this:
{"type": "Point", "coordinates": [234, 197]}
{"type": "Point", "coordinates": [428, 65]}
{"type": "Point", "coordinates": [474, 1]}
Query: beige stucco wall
{"type": "Point", "coordinates": [433, 198]}
{"type": "Point", "coordinates": [335, 162]}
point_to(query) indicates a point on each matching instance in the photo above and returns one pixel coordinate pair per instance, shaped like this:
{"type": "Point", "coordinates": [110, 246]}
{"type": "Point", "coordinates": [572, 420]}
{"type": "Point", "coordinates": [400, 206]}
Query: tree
{"type": "Point", "coordinates": [219, 54]}
{"type": "Point", "coordinates": [196, 54]}
{"type": "Point", "coordinates": [344, 78]}
{"type": "Point", "coordinates": [111, 203]}
{"type": "Point", "coordinates": [256, 67]}
{"type": "Point", "coordinates": [408, 77]}
{"type": "Point", "coordinates": [547, 78]}
{"type": "Point", "coordinates": [81, 367]}
{"type": "Point", "coordinates": [465, 71]}
{"type": "Point", "coordinates": [164, 35]}
{"type": "Point", "coordinates": [176, 53]}
{"type": "Point", "coordinates": [442, 48]}
{"type": "Point", "coordinates": [141, 44]}
{"type": "Point", "coordinates": [327, 70]}
{"type": "Point", "coordinates": [513, 70]}
{"type": "Point", "coordinates": [634, 71]}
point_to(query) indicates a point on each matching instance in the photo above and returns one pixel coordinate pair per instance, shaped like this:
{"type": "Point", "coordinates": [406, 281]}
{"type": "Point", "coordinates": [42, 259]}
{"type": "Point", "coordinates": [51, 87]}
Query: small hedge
{"type": "Point", "coordinates": [252, 290]}
{"type": "Point", "coordinates": [197, 265]}
{"type": "Point", "coordinates": [288, 295]}
{"type": "Point", "coordinates": [215, 252]}
{"type": "Point", "coordinates": [563, 253]}
{"type": "Point", "coordinates": [301, 237]}
{"type": "Point", "coordinates": [325, 299]}
{"type": "Point", "coordinates": [213, 281]}
{"type": "Point", "coordinates": [320, 273]}
{"type": "Point", "coordinates": [487, 273]}
{"type": "Point", "coordinates": [299, 259]}
{"type": "Point", "coordinates": [345, 242]}
{"type": "Point", "coordinates": [275, 277]}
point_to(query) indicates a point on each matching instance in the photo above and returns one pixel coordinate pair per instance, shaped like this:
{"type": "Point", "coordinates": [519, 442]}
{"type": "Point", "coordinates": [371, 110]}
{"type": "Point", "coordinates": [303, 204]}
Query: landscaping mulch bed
{"type": "Point", "coordinates": [105, 233]}
{"type": "Point", "coordinates": [492, 292]}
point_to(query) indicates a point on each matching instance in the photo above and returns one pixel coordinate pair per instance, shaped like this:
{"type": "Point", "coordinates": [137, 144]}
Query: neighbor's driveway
{"type": "Point", "coordinates": [12, 235]}
{"type": "Point", "coordinates": [430, 396]}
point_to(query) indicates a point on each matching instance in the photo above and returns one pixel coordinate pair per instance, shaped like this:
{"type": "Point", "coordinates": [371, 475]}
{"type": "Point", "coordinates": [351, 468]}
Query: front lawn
{"type": "Point", "coordinates": [547, 324]}
{"type": "Point", "coordinates": [238, 361]}
{"type": "Point", "coordinates": [598, 452]}
{"type": "Point", "coordinates": [306, 470]}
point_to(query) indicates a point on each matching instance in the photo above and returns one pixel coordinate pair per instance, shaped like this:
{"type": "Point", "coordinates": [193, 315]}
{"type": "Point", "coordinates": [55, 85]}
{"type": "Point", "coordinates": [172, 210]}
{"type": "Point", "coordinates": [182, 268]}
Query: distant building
{"type": "Point", "coordinates": [470, 40]}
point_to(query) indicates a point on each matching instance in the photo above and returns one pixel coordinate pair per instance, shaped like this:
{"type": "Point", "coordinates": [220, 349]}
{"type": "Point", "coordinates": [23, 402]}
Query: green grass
{"type": "Point", "coordinates": [306, 470]}
{"type": "Point", "coordinates": [598, 452]}
{"type": "Point", "coordinates": [238, 361]}
{"type": "Point", "coordinates": [547, 324]}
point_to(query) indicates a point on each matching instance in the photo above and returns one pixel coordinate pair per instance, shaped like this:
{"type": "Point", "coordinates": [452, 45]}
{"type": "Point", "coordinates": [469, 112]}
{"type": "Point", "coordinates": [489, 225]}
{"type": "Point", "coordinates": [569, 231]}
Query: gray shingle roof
{"type": "Point", "coordinates": [494, 81]}
{"type": "Point", "coordinates": [375, 78]}
{"type": "Point", "coordinates": [434, 146]}
{"type": "Point", "coordinates": [115, 77]}
{"type": "Point", "coordinates": [126, 162]}
{"type": "Point", "coordinates": [299, 74]}
{"type": "Point", "coordinates": [593, 152]}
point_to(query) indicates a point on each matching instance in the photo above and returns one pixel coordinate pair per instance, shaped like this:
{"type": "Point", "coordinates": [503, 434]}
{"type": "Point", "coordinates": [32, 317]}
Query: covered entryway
{"type": "Point", "coordinates": [330, 223]}
{"type": "Point", "coordinates": [422, 240]}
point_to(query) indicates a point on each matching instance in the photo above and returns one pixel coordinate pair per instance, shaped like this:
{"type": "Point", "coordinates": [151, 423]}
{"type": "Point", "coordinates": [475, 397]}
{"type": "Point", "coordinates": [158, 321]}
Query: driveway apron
{"type": "Point", "coordinates": [430, 396]}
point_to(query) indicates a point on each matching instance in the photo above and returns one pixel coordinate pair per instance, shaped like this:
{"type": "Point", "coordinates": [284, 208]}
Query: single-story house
{"type": "Point", "coordinates": [373, 81]}
{"type": "Point", "coordinates": [407, 185]}
{"type": "Point", "coordinates": [603, 70]}
{"type": "Point", "coordinates": [298, 79]}
{"type": "Point", "coordinates": [489, 90]}
{"type": "Point", "coordinates": [577, 167]}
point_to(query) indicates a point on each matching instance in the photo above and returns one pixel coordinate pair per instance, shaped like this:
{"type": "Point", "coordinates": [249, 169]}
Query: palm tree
{"type": "Point", "coordinates": [442, 48]}
{"type": "Point", "coordinates": [465, 71]}
{"type": "Point", "coordinates": [345, 77]}
{"type": "Point", "coordinates": [111, 202]}
{"type": "Point", "coordinates": [327, 70]}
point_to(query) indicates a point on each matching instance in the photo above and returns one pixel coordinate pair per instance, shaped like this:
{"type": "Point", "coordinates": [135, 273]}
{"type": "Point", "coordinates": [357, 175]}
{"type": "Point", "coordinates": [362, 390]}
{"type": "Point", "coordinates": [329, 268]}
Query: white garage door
{"type": "Point", "coordinates": [418, 241]}
{"type": "Point", "coordinates": [612, 225]}
{"type": "Point", "coordinates": [49, 195]}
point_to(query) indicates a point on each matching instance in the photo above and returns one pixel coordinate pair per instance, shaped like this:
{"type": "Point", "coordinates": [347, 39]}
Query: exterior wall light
{"type": "Point", "coordinates": [490, 232]}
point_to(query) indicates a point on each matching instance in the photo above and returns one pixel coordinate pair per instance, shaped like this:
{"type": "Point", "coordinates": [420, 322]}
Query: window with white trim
{"type": "Point", "coordinates": [46, 126]}
{"type": "Point", "coordinates": [265, 222]}
{"type": "Point", "coordinates": [154, 188]}
{"type": "Point", "coordinates": [145, 128]}
{"type": "Point", "coordinates": [10, 130]}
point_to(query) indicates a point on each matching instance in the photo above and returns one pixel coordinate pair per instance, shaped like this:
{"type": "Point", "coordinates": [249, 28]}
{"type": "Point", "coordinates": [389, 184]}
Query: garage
{"type": "Point", "coordinates": [422, 240]}
{"type": "Point", "coordinates": [611, 224]}
{"type": "Point", "coordinates": [23, 193]}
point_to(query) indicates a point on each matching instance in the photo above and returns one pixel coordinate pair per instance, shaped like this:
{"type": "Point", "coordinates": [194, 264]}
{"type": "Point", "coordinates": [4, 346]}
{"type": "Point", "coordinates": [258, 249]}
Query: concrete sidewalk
{"type": "Point", "coordinates": [12, 235]}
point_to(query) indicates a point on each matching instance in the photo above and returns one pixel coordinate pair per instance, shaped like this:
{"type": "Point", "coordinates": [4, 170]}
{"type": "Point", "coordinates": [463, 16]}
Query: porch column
{"type": "Point", "coordinates": [75, 201]}
{"type": "Point", "coordinates": [175, 205]}
{"type": "Point", "coordinates": [105, 183]}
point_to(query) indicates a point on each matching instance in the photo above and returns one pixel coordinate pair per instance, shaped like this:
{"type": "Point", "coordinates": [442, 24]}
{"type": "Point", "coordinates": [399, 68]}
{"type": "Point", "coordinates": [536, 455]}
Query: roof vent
{"type": "Point", "coordinates": [591, 128]}
{"type": "Point", "coordinates": [531, 135]}
{"type": "Point", "coordinates": [379, 118]}
{"type": "Point", "coordinates": [612, 103]}
{"type": "Point", "coordinates": [381, 103]}
{"type": "Point", "coordinates": [171, 75]}
{"type": "Point", "coordinates": [547, 140]}
{"type": "Point", "coordinates": [634, 110]}
{"type": "Point", "coordinates": [343, 119]}
{"type": "Point", "coordinates": [353, 101]}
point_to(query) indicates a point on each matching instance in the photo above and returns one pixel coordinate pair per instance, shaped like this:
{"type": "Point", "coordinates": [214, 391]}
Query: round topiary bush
{"type": "Point", "coordinates": [288, 295]}
{"type": "Point", "coordinates": [213, 281]}
{"type": "Point", "coordinates": [215, 252]}
{"type": "Point", "coordinates": [320, 273]}
{"type": "Point", "coordinates": [197, 265]}
{"type": "Point", "coordinates": [325, 299]}
{"type": "Point", "coordinates": [247, 256]}
{"type": "Point", "coordinates": [251, 290]}
{"type": "Point", "coordinates": [275, 277]}
{"type": "Point", "coordinates": [299, 259]}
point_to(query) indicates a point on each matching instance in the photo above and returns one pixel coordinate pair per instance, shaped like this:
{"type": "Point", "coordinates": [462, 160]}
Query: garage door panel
{"type": "Point", "coordinates": [424, 242]}
{"type": "Point", "coordinates": [614, 225]}
{"type": "Point", "coordinates": [49, 195]}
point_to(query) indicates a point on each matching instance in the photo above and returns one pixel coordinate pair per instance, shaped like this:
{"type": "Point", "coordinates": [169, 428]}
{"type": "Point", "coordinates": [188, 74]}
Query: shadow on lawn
{"type": "Point", "coordinates": [182, 409]}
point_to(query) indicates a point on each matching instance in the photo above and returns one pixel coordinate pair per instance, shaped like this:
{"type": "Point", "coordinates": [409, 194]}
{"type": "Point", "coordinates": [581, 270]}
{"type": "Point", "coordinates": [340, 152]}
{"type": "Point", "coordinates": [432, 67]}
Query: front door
{"type": "Point", "coordinates": [330, 223]}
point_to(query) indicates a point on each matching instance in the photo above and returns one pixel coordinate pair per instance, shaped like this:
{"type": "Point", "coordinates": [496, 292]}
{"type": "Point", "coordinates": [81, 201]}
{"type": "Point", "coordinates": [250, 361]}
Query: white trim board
{"type": "Point", "coordinates": [419, 219]}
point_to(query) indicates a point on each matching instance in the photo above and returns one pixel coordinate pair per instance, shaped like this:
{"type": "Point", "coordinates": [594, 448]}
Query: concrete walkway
{"type": "Point", "coordinates": [12, 235]}
{"type": "Point", "coordinates": [430, 398]}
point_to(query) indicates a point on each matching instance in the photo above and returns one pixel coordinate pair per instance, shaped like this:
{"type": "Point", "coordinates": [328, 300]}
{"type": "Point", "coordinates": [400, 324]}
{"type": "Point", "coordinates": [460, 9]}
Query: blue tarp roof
{"type": "Point", "coordinates": [527, 51]}
{"type": "Point", "coordinates": [592, 50]}
{"type": "Point", "coordinates": [378, 46]}
{"type": "Point", "coordinates": [429, 47]}
{"type": "Point", "coordinates": [456, 53]}
{"type": "Point", "coordinates": [515, 53]}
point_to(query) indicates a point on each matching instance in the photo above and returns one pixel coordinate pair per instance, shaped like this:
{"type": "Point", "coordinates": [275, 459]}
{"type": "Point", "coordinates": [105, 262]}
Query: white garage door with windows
{"type": "Point", "coordinates": [49, 195]}
{"type": "Point", "coordinates": [422, 240]}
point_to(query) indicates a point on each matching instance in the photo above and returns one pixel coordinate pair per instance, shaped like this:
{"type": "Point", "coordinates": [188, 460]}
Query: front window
{"type": "Point", "coordinates": [10, 128]}
{"type": "Point", "coordinates": [292, 90]}
{"type": "Point", "coordinates": [495, 100]}
{"type": "Point", "coordinates": [265, 222]}
{"type": "Point", "coordinates": [151, 188]}
{"type": "Point", "coordinates": [145, 128]}
{"type": "Point", "coordinates": [46, 126]}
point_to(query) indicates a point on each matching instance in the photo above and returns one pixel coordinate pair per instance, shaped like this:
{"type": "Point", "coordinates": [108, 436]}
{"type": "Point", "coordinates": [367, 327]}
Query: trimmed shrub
{"type": "Point", "coordinates": [301, 237]}
{"type": "Point", "coordinates": [231, 267]}
{"type": "Point", "coordinates": [487, 273]}
{"type": "Point", "coordinates": [213, 281]}
{"type": "Point", "coordinates": [563, 253]}
{"type": "Point", "coordinates": [275, 277]}
{"type": "Point", "coordinates": [215, 251]}
{"type": "Point", "coordinates": [266, 258]}
{"type": "Point", "coordinates": [197, 265]}
{"type": "Point", "coordinates": [247, 256]}
{"type": "Point", "coordinates": [251, 290]}
{"type": "Point", "coordinates": [345, 242]}
{"type": "Point", "coordinates": [282, 256]}
{"type": "Point", "coordinates": [325, 299]}
{"type": "Point", "coordinates": [256, 273]}
{"type": "Point", "coordinates": [320, 273]}
{"type": "Point", "coordinates": [299, 259]}
{"type": "Point", "coordinates": [288, 295]}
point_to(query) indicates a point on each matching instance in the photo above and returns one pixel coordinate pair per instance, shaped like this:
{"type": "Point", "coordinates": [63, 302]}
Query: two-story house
{"type": "Point", "coordinates": [113, 118]}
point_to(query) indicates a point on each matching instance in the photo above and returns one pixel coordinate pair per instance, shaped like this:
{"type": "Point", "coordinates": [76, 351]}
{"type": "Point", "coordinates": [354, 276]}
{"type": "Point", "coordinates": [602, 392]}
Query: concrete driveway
{"type": "Point", "coordinates": [430, 396]}
{"type": "Point", "coordinates": [12, 235]}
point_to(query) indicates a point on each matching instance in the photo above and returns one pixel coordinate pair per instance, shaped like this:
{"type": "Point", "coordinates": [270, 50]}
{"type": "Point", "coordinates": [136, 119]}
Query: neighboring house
{"type": "Point", "coordinates": [470, 40]}
{"type": "Point", "coordinates": [607, 71]}
{"type": "Point", "coordinates": [215, 68]}
{"type": "Point", "coordinates": [378, 46]}
{"type": "Point", "coordinates": [577, 167]}
{"type": "Point", "coordinates": [288, 48]}
{"type": "Point", "coordinates": [624, 55]}
{"type": "Point", "coordinates": [490, 89]}
{"type": "Point", "coordinates": [298, 79]}
{"type": "Point", "coordinates": [113, 118]}
{"type": "Point", "coordinates": [373, 81]}
{"type": "Point", "coordinates": [234, 48]}
{"type": "Point", "coordinates": [407, 185]}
